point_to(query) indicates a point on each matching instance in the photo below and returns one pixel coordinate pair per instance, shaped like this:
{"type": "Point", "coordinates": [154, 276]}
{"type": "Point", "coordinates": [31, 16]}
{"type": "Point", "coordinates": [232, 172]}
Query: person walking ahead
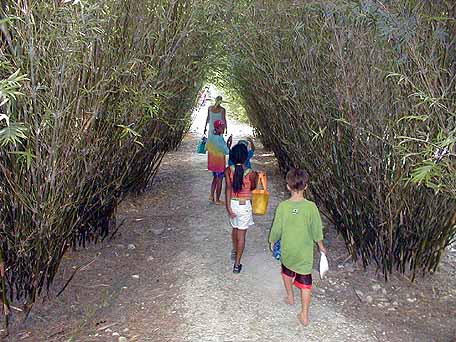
{"type": "Point", "coordinates": [297, 224]}
{"type": "Point", "coordinates": [240, 181]}
{"type": "Point", "coordinates": [250, 150]}
{"type": "Point", "coordinates": [214, 113]}
{"type": "Point", "coordinates": [217, 150]}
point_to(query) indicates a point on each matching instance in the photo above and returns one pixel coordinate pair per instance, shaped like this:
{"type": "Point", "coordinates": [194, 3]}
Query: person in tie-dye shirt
{"type": "Point", "coordinates": [217, 149]}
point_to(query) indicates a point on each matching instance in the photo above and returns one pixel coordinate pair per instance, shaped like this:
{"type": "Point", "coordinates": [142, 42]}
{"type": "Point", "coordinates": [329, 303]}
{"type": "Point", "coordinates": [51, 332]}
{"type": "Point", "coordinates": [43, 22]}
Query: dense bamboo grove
{"type": "Point", "coordinates": [362, 95]}
{"type": "Point", "coordinates": [92, 95]}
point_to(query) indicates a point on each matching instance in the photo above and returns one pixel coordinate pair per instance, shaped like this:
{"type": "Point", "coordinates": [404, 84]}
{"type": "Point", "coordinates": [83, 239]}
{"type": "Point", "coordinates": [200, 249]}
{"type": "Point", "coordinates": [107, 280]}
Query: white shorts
{"type": "Point", "coordinates": [244, 216]}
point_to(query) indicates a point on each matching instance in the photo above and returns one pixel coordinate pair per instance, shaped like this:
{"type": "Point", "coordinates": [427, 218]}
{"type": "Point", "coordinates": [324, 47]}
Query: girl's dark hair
{"type": "Point", "coordinates": [239, 156]}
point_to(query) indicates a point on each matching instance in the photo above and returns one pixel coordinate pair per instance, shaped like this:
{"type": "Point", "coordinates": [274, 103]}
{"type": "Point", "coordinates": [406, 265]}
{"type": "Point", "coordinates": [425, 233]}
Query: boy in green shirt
{"type": "Point", "coordinates": [297, 224]}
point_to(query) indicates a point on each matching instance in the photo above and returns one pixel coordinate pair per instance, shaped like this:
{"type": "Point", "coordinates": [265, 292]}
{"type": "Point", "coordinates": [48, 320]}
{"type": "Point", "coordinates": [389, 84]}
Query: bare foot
{"type": "Point", "coordinates": [211, 199]}
{"type": "Point", "coordinates": [304, 320]}
{"type": "Point", "coordinates": [219, 202]}
{"type": "Point", "coordinates": [289, 301]}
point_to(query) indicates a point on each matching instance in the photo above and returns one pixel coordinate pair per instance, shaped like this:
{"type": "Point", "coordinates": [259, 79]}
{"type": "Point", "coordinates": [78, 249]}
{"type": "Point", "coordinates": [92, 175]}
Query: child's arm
{"type": "Point", "coordinates": [224, 119]}
{"type": "Point", "coordinates": [250, 155]}
{"type": "Point", "coordinates": [253, 180]}
{"type": "Point", "coordinates": [228, 193]}
{"type": "Point", "coordinates": [230, 141]}
{"type": "Point", "coordinates": [226, 144]}
{"type": "Point", "coordinates": [321, 247]}
{"type": "Point", "coordinates": [207, 120]}
{"type": "Point", "coordinates": [317, 230]}
{"type": "Point", "coordinates": [276, 230]}
{"type": "Point", "coordinates": [252, 145]}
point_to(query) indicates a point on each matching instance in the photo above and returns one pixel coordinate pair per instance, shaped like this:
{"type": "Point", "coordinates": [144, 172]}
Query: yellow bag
{"type": "Point", "coordinates": [260, 198]}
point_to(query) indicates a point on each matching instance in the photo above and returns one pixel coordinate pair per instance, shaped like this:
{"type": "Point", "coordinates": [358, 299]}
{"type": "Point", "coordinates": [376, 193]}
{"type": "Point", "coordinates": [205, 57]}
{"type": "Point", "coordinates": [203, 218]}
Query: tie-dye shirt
{"type": "Point", "coordinates": [216, 152]}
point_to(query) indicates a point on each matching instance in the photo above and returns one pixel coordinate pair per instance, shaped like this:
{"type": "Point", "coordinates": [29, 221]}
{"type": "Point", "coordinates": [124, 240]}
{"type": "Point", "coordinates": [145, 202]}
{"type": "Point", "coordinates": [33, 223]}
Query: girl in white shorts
{"type": "Point", "coordinates": [240, 181]}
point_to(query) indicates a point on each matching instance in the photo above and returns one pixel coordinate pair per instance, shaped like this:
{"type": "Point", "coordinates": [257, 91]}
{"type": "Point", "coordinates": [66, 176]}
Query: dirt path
{"type": "Point", "coordinates": [216, 305]}
{"type": "Point", "coordinates": [167, 277]}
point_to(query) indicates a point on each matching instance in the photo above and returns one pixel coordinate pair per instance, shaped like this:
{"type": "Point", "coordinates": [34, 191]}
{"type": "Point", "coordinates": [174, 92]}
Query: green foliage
{"type": "Point", "coordinates": [12, 134]}
{"type": "Point", "coordinates": [361, 94]}
{"type": "Point", "coordinates": [93, 94]}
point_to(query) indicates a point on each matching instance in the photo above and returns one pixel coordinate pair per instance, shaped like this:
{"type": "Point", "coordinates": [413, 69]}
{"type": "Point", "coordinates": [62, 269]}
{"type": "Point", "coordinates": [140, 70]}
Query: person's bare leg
{"type": "Point", "coordinates": [213, 185]}
{"type": "Point", "coordinates": [288, 283]}
{"type": "Point", "coordinates": [234, 238]}
{"type": "Point", "coordinates": [306, 295]}
{"type": "Point", "coordinates": [240, 244]}
{"type": "Point", "coordinates": [218, 189]}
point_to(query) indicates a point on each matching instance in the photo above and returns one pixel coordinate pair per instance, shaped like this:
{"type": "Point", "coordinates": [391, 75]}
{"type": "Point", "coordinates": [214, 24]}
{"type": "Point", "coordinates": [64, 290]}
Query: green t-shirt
{"type": "Point", "coordinates": [298, 225]}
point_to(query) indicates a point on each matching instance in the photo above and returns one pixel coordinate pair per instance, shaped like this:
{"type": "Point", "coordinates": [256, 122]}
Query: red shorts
{"type": "Point", "coordinates": [302, 281]}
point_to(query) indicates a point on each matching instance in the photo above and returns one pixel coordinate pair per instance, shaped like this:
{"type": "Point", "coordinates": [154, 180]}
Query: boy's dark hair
{"type": "Point", "coordinates": [238, 155]}
{"type": "Point", "coordinates": [297, 179]}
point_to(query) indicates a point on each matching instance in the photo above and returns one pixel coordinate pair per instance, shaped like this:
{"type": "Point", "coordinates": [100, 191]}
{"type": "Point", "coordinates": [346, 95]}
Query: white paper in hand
{"type": "Point", "coordinates": [324, 266]}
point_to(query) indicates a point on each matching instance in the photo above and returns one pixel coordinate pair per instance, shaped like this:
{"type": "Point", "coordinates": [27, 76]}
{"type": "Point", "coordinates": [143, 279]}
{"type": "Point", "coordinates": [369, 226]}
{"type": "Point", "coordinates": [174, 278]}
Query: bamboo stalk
{"type": "Point", "coordinates": [5, 302]}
